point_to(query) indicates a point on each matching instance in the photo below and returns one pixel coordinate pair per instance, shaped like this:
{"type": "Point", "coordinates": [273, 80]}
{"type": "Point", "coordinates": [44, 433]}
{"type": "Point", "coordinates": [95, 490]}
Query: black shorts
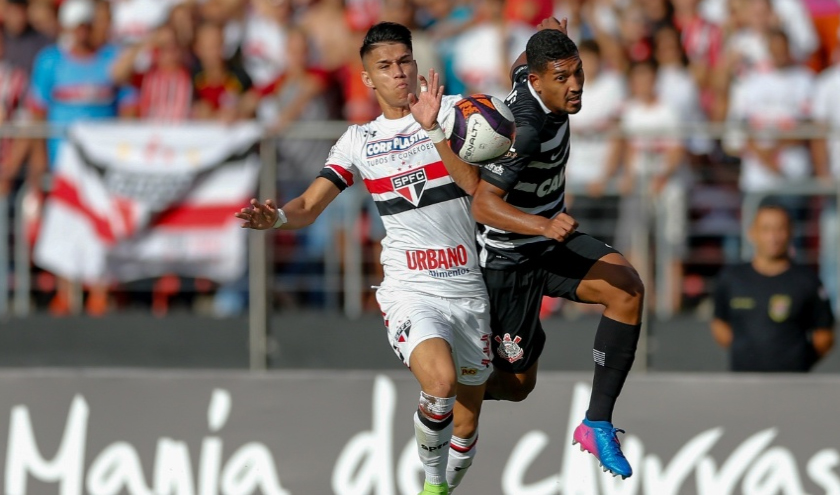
{"type": "Point", "coordinates": [516, 295]}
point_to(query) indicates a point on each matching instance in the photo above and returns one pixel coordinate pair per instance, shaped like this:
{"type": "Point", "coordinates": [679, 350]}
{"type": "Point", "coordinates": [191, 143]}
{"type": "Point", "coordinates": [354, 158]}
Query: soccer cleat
{"type": "Point", "coordinates": [600, 439]}
{"type": "Point", "coordinates": [430, 489]}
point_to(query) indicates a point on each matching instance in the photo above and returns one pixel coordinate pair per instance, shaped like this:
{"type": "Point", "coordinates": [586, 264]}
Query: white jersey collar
{"type": "Point", "coordinates": [537, 97]}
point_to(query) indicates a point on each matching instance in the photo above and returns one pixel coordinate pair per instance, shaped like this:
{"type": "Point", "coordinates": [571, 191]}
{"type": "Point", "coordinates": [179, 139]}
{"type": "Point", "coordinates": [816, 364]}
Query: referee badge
{"type": "Point", "coordinates": [779, 307]}
{"type": "Point", "coordinates": [509, 348]}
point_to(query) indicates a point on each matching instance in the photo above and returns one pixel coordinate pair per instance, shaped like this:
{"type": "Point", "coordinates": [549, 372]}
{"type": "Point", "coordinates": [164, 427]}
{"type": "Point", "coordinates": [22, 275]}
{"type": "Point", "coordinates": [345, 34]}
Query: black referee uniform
{"type": "Point", "coordinates": [772, 317]}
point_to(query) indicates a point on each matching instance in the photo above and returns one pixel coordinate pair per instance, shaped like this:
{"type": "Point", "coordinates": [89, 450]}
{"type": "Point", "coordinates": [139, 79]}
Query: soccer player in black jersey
{"type": "Point", "coordinates": [530, 247]}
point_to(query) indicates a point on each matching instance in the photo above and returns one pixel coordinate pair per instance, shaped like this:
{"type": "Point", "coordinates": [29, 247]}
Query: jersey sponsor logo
{"type": "Point", "coordinates": [495, 168]}
{"type": "Point", "coordinates": [410, 185]}
{"type": "Point", "coordinates": [468, 371]}
{"type": "Point", "coordinates": [779, 307]}
{"type": "Point", "coordinates": [509, 348]}
{"type": "Point", "coordinates": [400, 142]}
{"type": "Point", "coordinates": [550, 185]}
{"type": "Point", "coordinates": [436, 259]}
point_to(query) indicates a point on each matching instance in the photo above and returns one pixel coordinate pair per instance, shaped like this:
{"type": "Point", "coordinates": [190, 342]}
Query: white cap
{"type": "Point", "coordinates": [74, 13]}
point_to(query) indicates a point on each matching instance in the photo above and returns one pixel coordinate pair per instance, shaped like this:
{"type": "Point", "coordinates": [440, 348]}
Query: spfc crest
{"type": "Point", "coordinates": [779, 307]}
{"type": "Point", "coordinates": [509, 348]}
{"type": "Point", "coordinates": [410, 186]}
{"type": "Point", "coordinates": [403, 330]}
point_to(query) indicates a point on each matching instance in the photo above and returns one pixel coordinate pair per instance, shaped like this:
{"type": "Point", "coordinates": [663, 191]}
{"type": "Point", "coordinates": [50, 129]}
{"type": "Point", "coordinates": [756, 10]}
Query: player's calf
{"type": "Point", "coordinates": [461, 454]}
{"type": "Point", "coordinates": [433, 433]}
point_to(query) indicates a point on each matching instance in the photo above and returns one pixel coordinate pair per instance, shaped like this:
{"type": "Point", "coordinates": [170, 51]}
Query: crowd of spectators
{"type": "Point", "coordinates": [756, 64]}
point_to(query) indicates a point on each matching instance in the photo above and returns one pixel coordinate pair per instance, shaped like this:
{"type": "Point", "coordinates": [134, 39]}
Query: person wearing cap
{"type": "Point", "coordinates": [21, 41]}
{"type": "Point", "coordinates": [71, 82]}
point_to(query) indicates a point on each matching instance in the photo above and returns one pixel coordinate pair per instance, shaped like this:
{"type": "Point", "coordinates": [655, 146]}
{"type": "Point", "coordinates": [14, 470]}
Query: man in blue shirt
{"type": "Point", "coordinates": [71, 82]}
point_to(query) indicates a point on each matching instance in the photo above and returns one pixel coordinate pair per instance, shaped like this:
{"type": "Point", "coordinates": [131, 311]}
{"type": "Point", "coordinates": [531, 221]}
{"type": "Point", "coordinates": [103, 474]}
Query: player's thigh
{"type": "Point", "coordinates": [513, 386]}
{"type": "Point", "coordinates": [470, 318]}
{"type": "Point", "coordinates": [517, 335]}
{"type": "Point", "coordinates": [417, 322]}
{"type": "Point", "coordinates": [570, 264]}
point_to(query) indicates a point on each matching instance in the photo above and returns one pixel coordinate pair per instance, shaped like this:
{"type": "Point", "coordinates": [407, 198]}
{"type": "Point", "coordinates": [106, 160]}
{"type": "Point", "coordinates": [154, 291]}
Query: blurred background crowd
{"type": "Point", "coordinates": [728, 73]}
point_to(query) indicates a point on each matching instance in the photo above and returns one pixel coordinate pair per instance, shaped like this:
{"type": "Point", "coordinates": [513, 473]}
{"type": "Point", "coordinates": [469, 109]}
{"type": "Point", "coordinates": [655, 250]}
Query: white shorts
{"type": "Point", "coordinates": [411, 318]}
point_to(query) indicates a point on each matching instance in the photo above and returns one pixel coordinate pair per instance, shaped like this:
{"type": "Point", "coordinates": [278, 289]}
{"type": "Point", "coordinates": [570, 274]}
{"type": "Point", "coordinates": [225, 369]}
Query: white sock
{"type": "Point", "coordinates": [433, 431]}
{"type": "Point", "coordinates": [461, 454]}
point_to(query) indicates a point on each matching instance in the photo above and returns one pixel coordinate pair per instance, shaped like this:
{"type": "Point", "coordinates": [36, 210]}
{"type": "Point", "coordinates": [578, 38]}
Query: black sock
{"type": "Point", "coordinates": [614, 352]}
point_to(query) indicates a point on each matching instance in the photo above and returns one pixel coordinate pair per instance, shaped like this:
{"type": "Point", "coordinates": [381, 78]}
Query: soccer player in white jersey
{"type": "Point", "coordinates": [433, 297]}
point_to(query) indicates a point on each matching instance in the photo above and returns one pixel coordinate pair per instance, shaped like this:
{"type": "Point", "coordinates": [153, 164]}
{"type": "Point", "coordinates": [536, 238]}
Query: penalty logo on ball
{"type": "Point", "coordinates": [480, 127]}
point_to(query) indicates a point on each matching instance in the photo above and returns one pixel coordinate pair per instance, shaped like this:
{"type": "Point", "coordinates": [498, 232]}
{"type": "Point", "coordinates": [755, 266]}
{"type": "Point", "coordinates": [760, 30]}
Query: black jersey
{"type": "Point", "coordinates": [772, 317]}
{"type": "Point", "coordinates": [532, 173]}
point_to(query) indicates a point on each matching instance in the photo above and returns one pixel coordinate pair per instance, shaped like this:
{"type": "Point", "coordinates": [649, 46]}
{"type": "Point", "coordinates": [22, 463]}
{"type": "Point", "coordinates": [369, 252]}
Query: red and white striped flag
{"type": "Point", "coordinates": [134, 200]}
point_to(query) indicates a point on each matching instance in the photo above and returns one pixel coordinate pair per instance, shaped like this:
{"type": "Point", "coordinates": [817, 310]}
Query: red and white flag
{"type": "Point", "coordinates": [132, 201]}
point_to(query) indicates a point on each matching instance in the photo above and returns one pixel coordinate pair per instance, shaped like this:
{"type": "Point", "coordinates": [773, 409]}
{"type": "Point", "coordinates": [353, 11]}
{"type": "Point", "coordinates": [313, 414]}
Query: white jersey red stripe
{"type": "Point", "coordinates": [429, 245]}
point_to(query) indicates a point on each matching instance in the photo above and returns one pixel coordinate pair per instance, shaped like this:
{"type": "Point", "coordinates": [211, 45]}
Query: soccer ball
{"type": "Point", "coordinates": [479, 128]}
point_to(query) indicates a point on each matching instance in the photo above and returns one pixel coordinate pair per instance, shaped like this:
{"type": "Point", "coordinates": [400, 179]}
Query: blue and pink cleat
{"type": "Point", "coordinates": [600, 439]}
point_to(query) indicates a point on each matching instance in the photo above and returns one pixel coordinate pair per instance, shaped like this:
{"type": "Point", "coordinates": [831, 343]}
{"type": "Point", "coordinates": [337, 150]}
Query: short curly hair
{"type": "Point", "coordinates": [547, 46]}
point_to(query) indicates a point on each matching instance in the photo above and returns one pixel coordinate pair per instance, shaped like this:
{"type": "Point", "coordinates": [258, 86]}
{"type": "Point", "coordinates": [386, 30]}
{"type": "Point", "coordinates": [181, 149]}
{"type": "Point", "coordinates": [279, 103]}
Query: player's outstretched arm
{"type": "Point", "coordinates": [297, 213]}
{"type": "Point", "coordinates": [425, 110]}
{"type": "Point", "coordinates": [490, 208]}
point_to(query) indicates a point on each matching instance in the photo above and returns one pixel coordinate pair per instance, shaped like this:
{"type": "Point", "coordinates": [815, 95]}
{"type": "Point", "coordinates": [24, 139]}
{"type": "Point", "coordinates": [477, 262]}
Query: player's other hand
{"type": "Point", "coordinates": [553, 23]}
{"type": "Point", "coordinates": [426, 107]}
{"type": "Point", "coordinates": [258, 216]}
{"type": "Point", "coordinates": [560, 227]}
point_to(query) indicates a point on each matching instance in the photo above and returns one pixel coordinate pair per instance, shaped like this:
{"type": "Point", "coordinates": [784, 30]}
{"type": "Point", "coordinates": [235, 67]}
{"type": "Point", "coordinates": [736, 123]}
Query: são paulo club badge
{"type": "Point", "coordinates": [509, 348]}
{"type": "Point", "coordinates": [410, 186]}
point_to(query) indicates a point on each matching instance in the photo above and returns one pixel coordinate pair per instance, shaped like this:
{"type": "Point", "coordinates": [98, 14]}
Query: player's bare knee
{"type": "Point", "coordinates": [440, 388]}
{"type": "Point", "coordinates": [627, 295]}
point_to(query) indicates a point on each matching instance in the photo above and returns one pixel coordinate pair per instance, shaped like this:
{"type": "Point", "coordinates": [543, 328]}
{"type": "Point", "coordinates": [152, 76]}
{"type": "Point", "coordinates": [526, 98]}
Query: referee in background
{"type": "Point", "coordinates": [772, 314]}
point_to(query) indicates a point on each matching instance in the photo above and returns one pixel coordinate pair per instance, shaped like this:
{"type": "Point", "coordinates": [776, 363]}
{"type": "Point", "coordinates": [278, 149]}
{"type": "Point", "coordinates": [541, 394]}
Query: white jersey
{"type": "Point", "coordinates": [430, 234]}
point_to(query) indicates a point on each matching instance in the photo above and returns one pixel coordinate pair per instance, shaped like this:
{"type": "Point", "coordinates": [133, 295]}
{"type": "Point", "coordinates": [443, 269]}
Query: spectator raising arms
{"type": "Point", "coordinates": [165, 83]}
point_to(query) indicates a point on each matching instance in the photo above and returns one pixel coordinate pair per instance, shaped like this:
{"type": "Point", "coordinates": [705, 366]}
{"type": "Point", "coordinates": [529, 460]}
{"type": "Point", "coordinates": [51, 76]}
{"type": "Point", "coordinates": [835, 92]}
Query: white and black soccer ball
{"type": "Point", "coordinates": [480, 128]}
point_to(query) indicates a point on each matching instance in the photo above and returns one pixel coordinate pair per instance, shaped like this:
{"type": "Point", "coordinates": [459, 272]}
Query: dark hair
{"type": "Point", "coordinates": [385, 32]}
{"type": "Point", "coordinates": [668, 28]}
{"type": "Point", "coordinates": [590, 46]}
{"type": "Point", "coordinates": [772, 204]}
{"type": "Point", "coordinates": [648, 63]}
{"type": "Point", "coordinates": [547, 46]}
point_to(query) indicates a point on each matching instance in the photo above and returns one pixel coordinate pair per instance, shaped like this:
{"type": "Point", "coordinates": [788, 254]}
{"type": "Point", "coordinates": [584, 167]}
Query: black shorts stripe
{"type": "Point", "coordinates": [430, 197]}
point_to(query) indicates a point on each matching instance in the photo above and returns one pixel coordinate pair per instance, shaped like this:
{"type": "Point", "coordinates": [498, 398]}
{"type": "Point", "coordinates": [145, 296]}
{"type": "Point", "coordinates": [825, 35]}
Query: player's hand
{"type": "Point", "coordinates": [560, 227]}
{"type": "Point", "coordinates": [553, 23]}
{"type": "Point", "coordinates": [258, 216]}
{"type": "Point", "coordinates": [426, 107]}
